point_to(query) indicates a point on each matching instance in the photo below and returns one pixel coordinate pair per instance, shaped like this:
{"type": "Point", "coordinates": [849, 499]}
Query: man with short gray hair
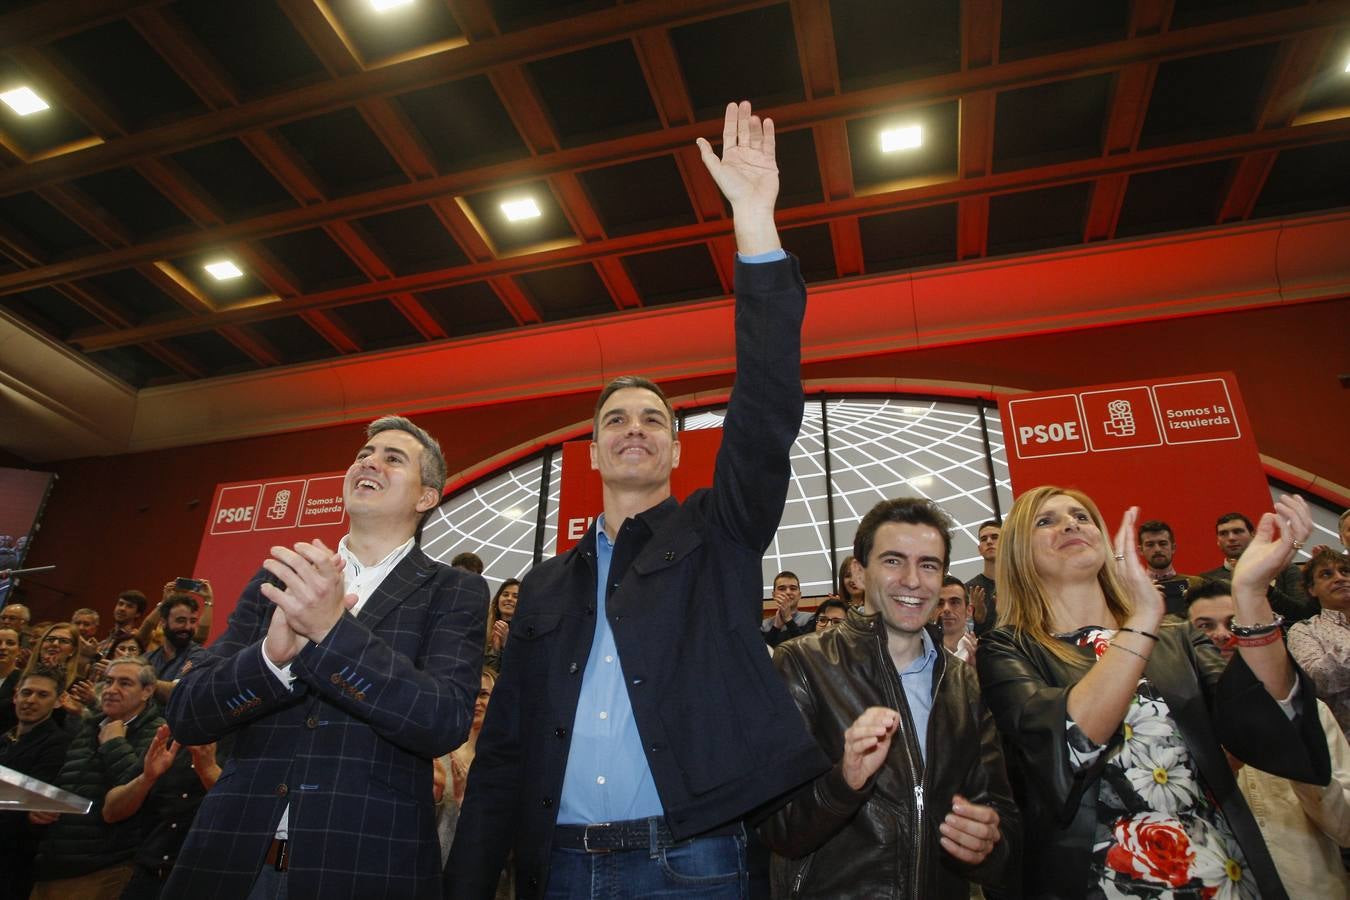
{"type": "Point", "coordinates": [342, 674]}
{"type": "Point", "coordinates": [84, 856]}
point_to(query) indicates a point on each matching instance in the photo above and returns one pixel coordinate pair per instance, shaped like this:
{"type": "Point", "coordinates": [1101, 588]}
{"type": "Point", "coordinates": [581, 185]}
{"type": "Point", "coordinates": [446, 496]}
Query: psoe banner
{"type": "Point", "coordinates": [1181, 449]}
{"type": "Point", "coordinates": [248, 518]}
{"type": "Point", "coordinates": [581, 497]}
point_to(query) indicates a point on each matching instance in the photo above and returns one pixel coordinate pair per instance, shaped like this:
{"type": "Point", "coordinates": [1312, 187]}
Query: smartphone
{"type": "Point", "coordinates": [189, 585]}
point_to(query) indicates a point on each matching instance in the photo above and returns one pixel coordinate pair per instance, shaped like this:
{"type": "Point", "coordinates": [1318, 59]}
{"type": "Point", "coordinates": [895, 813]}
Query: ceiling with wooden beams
{"type": "Point", "coordinates": [352, 164]}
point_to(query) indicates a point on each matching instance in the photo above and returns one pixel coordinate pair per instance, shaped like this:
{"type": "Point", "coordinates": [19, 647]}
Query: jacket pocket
{"type": "Point", "coordinates": [534, 627]}
{"type": "Point", "coordinates": [661, 554]}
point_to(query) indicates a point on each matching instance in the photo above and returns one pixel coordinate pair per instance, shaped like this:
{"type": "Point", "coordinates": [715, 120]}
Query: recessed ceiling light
{"type": "Point", "coordinates": [1347, 65]}
{"type": "Point", "coordinates": [223, 270]}
{"type": "Point", "coordinates": [385, 5]}
{"type": "Point", "coordinates": [24, 101]}
{"type": "Point", "coordinates": [906, 137]}
{"type": "Point", "coordinates": [524, 208]}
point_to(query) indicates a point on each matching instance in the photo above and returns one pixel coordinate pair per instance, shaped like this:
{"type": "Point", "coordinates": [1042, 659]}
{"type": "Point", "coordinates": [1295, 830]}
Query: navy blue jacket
{"type": "Point", "coordinates": [349, 749]}
{"type": "Point", "coordinates": [721, 734]}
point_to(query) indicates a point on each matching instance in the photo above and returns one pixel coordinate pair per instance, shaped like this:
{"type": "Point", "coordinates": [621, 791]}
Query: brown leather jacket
{"type": "Point", "coordinates": [882, 841]}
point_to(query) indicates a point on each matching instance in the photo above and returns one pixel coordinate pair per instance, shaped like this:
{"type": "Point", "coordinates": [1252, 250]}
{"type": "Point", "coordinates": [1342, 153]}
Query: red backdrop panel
{"type": "Point", "coordinates": [1181, 449]}
{"type": "Point", "coordinates": [248, 518]}
{"type": "Point", "coordinates": [580, 498]}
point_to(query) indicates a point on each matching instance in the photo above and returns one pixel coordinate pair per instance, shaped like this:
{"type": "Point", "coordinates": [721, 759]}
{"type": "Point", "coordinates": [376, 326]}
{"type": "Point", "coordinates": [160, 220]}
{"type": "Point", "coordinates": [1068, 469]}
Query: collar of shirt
{"type": "Point", "coordinates": [1334, 617]}
{"type": "Point", "coordinates": [105, 720]}
{"type": "Point", "coordinates": [1169, 572]}
{"type": "Point", "coordinates": [363, 580]}
{"type": "Point", "coordinates": [926, 657]}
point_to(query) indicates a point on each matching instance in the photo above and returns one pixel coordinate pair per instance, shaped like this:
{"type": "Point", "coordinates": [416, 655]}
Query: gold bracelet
{"type": "Point", "coordinates": [1128, 650]}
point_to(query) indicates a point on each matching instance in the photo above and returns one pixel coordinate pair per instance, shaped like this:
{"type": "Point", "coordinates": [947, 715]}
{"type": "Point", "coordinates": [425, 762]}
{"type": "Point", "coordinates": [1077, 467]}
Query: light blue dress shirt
{"type": "Point", "coordinates": [917, 680]}
{"type": "Point", "coordinates": [607, 779]}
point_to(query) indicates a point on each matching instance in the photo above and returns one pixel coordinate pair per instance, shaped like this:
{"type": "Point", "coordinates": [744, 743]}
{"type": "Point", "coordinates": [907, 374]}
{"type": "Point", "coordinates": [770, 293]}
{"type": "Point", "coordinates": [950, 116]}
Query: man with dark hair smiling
{"type": "Point", "coordinates": [786, 621]}
{"type": "Point", "coordinates": [35, 746]}
{"type": "Point", "coordinates": [918, 802]}
{"type": "Point", "coordinates": [180, 651]}
{"type": "Point", "coordinates": [629, 733]}
{"type": "Point", "coordinates": [341, 675]}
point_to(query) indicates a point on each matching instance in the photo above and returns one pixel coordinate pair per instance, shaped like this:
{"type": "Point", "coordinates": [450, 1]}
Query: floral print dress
{"type": "Point", "coordinates": [1160, 833]}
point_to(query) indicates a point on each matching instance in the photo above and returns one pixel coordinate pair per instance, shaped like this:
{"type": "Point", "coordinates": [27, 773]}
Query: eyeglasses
{"type": "Point", "coordinates": [829, 622]}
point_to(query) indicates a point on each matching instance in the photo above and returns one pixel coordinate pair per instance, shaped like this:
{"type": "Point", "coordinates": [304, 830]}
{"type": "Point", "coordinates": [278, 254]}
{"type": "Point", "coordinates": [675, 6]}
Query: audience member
{"type": "Point", "coordinates": [787, 621]}
{"type": "Point", "coordinates": [456, 767]}
{"type": "Point", "coordinates": [1321, 645]}
{"type": "Point", "coordinates": [151, 630]}
{"type": "Point", "coordinates": [953, 614]}
{"type": "Point", "coordinates": [469, 562]}
{"type": "Point", "coordinates": [831, 612]}
{"type": "Point", "coordinates": [1158, 547]}
{"type": "Point", "coordinates": [180, 651]}
{"type": "Point", "coordinates": [901, 757]}
{"type": "Point", "coordinates": [84, 856]}
{"type": "Point", "coordinates": [56, 649]}
{"type": "Point", "coordinates": [9, 676]}
{"type": "Point", "coordinates": [1303, 825]}
{"type": "Point", "coordinates": [850, 589]}
{"type": "Point", "coordinates": [499, 621]}
{"type": "Point", "coordinates": [636, 708]}
{"type": "Point", "coordinates": [1130, 792]}
{"type": "Point", "coordinates": [1286, 593]}
{"type": "Point", "coordinates": [127, 612]}
{"type": "Point", "coordinates": [982, 590]}
{"type": "Point", "coordinates": [165, 796]}
{"type": "Point", "coordinates": [33, 745]}
{"type": "Point", "coordinates": [17, 616]}
{"type": "Point", "coordinates": [86, 623]}
{"type": "Point", "coordinates": [342, 675]}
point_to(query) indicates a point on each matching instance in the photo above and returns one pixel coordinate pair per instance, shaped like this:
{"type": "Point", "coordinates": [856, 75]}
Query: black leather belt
{"type": "Point", "coordinates": [633, 834]}
{"type": "Point", "coordinates": [278, 857]}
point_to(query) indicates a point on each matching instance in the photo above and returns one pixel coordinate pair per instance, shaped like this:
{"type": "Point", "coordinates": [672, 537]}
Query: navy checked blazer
{"type": "Point", "coordinates": [349, 748]}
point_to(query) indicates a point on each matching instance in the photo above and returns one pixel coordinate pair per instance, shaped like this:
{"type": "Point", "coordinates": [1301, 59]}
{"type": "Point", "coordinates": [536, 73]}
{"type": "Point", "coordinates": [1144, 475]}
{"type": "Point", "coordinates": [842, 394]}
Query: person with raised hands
{"type": "Point", "coordinates": [1119, 720]}
{"type": "Point", "coordinates": [638, 720]}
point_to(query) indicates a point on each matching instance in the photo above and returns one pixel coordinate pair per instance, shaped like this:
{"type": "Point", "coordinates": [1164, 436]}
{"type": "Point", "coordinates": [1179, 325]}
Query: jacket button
{"type": "Point", "coordinates": [638, 681]}
{"type": "Point", "coordinates": [670, 555]}
{"type": "Point", "coordinates": [560, 732]}
{"type": "Point", "coordinates": [614, 586]}
{"type": "Point", "coordinates": [547, 803]}
{"type": "Point", "coordinates": [655, 748]}
{"type": "Point", "coordinates": [335, 678]}
{"type": "Point", "coordinates": [573, 669]}
{"type": "Point", "coordinates": [312, 722]}
{"type": "Point", "coordinates": [282, 790]}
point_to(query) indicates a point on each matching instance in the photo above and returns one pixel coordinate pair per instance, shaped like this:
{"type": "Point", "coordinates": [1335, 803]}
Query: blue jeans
{"type": "Point", "coordinates": [711, 867]}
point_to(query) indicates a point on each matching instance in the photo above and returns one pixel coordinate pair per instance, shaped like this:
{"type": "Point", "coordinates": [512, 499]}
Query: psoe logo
{"type": "Point", "coordinates": [235, 509]}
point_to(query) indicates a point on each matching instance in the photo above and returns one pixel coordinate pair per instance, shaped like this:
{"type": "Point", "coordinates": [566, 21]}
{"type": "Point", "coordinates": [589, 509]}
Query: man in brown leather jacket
{"type": "Point", "coordinates": [917, 803]}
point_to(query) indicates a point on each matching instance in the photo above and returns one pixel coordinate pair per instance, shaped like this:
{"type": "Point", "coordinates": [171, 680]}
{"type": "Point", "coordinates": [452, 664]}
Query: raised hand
{"type": "Point", "coordinates": [1146, 598]}
{"type": "Point", "coordinates": [977, 598]}
{"type": "Point", "coordinates": [866, 743]}
{"type": "Point", "coordinates": [1273, 546]}
{"type": "Point", "coordinates": [747, 175]}
{"type": "Point", "coordinates": [162, 752]}
{"type": "Point", "coordinates": [313, 599]}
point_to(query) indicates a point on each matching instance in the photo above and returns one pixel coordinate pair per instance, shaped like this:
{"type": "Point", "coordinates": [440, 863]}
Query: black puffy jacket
{"type": "Point", "coordinates": [78, 845]}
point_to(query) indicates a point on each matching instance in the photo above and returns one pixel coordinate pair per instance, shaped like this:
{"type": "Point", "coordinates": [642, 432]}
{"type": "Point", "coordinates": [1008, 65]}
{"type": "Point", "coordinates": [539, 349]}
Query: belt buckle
{"type": "Point", "coordinates": [586, 838]}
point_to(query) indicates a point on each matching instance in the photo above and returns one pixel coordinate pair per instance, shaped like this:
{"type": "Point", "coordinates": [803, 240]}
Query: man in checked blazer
{"type": "Point", "coordinates": [341, 675]}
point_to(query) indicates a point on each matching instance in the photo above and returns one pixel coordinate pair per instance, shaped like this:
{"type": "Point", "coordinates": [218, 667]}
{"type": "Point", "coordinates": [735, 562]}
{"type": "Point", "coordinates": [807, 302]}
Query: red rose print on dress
{"type": "Point", "coordinates": [1152, 847]}
{"type": "Point", "coordinates": [1095, 638]}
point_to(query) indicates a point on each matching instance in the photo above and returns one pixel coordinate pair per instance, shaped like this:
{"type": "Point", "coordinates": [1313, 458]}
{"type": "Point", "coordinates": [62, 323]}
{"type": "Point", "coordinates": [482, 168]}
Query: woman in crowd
{"type": "Point", "coordinates": [455, 765]}
{"type": "Point", "coordinates": [1117, 719]}
{"type": "Point", "coordinates": [850, 587]}
{"type": "Point", "coordinates": [500, 613]}
{"type": "Point", "coordinates": [56, 649]}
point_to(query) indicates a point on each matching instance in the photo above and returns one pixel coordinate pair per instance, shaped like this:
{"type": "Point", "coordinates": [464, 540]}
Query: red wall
{"type": "Point", "coordinates": [136, 520]}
